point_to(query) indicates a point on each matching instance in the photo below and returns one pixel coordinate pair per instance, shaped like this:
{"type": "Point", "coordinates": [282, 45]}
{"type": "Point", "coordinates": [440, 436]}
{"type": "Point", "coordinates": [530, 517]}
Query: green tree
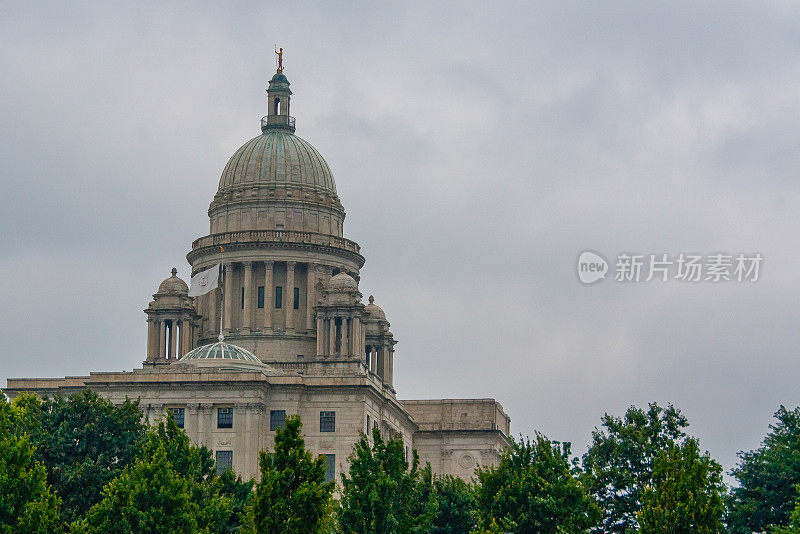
{"type": "Point", "coordinates": [171, 477]}
{"type": "Point", "coordinates": [456, 505]}
{"type": "Point", "coordinates": [239, 491]}
{"type": "Point", "coordinates": [213, 494]}
{"type": "Point", "coordinates": [534, 489]}
{"type": "Point", "coordinates": [292, 496]}
{"type": "Point", "coordinates": [84, 441]}
{"type": "Point", "coordinates": [27, 503]}
{"type": "Point", "coordinates": [768, 478]}
{"type": "Point", "coordinates": [149, 497]}
{"type": "Point", "coordinates": [383, 494]}
{"type": "Point", "coordinates": [684, 495]}
{"type": "Point", "coordinates": [794, 521]}
{"type": "Point", "coordinates": [619, 462]}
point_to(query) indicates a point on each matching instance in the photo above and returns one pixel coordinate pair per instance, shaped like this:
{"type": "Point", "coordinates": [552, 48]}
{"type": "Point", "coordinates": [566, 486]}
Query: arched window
{"type": "Point", "coordinates": [277, 106]}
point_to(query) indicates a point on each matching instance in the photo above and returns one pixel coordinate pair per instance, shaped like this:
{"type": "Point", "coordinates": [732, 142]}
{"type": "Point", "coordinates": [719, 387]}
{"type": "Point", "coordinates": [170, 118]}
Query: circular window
{"type": "Point", "coordinates": [467, 461]}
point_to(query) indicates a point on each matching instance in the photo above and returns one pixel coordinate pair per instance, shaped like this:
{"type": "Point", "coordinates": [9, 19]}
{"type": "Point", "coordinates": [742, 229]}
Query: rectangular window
{"type": "Point", "coordinates": [224, 461]}
{"type": "Point", "coordinates": [242, 298]}
{"type": "Point", "coordinates": [278, 296]}
{"type": "Point", "coordinates": [367, 432]}
{"type": "Point", "coordinates": [178, 415]}
{"type": "Point", "coordinates": [277, 418]}
{"type": "Point", "coordinates": [224, 417]}
{"type": "Point", "coordinates": [297, 298]}
{"type": "Point", "coordinates": [330, 467]}
{"type": "Point", "coordinates": [260, 296]}
{"type": "Point", "coordinates": [327, 421]}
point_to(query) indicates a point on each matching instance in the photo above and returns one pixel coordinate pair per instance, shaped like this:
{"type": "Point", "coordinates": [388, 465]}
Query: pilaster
{"type": "Point", "coordinates": [247, 312]}
{"type": "Point", "coordinates": [290, 266]}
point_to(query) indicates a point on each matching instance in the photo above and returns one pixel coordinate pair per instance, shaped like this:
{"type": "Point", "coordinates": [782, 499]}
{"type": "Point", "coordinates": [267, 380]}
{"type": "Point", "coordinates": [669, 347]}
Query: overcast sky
{"type": "Point", "coordinates": [477, 150]}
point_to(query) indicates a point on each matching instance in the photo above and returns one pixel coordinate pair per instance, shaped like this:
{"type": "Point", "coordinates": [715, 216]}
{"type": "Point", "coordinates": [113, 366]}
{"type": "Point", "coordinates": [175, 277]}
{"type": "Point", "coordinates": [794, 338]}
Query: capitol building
{"type": "Point", "coordinates": [287, 331]}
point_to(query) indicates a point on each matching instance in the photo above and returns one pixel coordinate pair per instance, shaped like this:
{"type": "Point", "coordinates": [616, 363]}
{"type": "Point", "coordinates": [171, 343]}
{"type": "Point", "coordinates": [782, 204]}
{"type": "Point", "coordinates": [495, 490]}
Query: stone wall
{"type": "Point", "coordinates": [458, 435]}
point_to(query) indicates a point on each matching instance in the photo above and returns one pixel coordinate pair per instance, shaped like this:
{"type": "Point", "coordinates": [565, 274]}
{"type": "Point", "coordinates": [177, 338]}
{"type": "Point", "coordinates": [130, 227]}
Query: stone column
{"type": "Point", "coordinates": [320, 336]}
{"type": "Point", "coordinates": [249, 445]}
{"type": "Point", "coordinates": [162, 339]}
{"type": "Point", "coordinates": [310, 292]}
{"type": "Point", "coordinates": [190, 422]}
{"type": "Point", "coordinates": [345, 345]}
{"type": "Point", "coordinates": [390, 367]}
{"type": "Point", "coordinates": [332, 337]}
{"type": "Point", "coordinates": [173, 338]}
{"type": "Point", "coordinates": [256, 426]}
{"type": "Point", "coordinates": [357, 347]}
{"type": "Point", "coordinates": [290, 265]}
{"type": "Point", "coordinates": [240, 440]}
{"type": "Point", "coordinates": [184, 339]}
{"type": "Point", "coordinates": [248, 296]}
{"type": "Point", "coordinates": [228, 296]}
{"type": "Point", "coordinates": [205, 423]}
{"type": "Point", "coordinates": [188, 329]}
{"type": "Point", "coordinates": [381, 362]}
{"type": "Point", "coordinates": [151, 339]}
{"type": "Point", "coordinates": [268, 299]}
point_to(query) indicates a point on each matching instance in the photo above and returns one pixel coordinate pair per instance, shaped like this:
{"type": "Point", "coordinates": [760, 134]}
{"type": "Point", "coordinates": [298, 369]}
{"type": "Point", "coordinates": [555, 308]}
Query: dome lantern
{"type": "Point", "coordinates": [278, 97]}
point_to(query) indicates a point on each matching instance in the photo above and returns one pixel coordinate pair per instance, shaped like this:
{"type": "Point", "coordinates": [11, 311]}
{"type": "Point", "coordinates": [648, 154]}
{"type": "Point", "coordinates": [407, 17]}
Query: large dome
{"type": "Point", "coordinates": [277, 181]}
{"type": "Point", "coordinates": [278, 158]}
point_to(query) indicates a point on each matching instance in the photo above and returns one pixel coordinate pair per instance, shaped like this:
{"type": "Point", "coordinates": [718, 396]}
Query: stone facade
{"type": "Point", "coordinates": [287, 331]}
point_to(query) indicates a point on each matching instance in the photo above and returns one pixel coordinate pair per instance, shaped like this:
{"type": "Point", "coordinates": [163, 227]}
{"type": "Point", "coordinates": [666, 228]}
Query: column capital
{"type": "Point", "coordinates": [291, 265]}
{"type": "Point", "coordinates": [269, 264]}
{"type": "Point", "coordinates": [205, 406]}
{"type": "Point", "coordinates": [247, 263]}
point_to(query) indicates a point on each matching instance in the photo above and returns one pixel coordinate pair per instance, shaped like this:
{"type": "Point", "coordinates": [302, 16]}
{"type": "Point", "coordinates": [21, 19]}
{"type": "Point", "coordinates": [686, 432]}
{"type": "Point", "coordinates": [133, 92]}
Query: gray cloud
{"type": "Point", "coordinates": [477, 150]}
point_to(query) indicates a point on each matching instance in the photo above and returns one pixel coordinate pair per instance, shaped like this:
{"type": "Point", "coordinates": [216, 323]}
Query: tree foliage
{"type": "Point", "coordinates": [148, 497]}
{"type": "Point", "coordinates": [685, 493]}
{"type": "Point", "coordinates": [84, 441]}
{"type": "Point", "coordinates": [27, 503]}
{"type": "Point", "coordinates": [383, 494]}
{"type": "Point", "coordinates": [172, 487]}
{"type": "Point", "coordinates": [768, 478]}
{"type": "Point", "coordinates": [456, 504]}
{"type": "Point", "coordinates": [619, 462]}
{"type": "Point", "coordinates": [794, 521]}
{"type": "Point", "coordinates": [534, 489]}
{"type": "Point", "coordinates": [292, 496]}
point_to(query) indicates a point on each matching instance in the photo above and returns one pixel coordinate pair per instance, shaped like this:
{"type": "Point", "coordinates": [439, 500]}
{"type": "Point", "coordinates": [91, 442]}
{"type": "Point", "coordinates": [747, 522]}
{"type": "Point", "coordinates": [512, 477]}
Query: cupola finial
{"type": "Point", "coordinates": [278, 97]}
{"type": "Point", "coordinates": [279, 53]}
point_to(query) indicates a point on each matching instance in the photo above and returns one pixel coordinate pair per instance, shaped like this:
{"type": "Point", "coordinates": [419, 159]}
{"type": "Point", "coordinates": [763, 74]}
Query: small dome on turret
{"type": "Point", "coordinates": [342, 283]}
{"type": "Point", "coordinates": [279, 78]}
{"type": "Point", "coordinates": [374, 311]}
{"type": "Point", "coordinates": [173, 285]}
